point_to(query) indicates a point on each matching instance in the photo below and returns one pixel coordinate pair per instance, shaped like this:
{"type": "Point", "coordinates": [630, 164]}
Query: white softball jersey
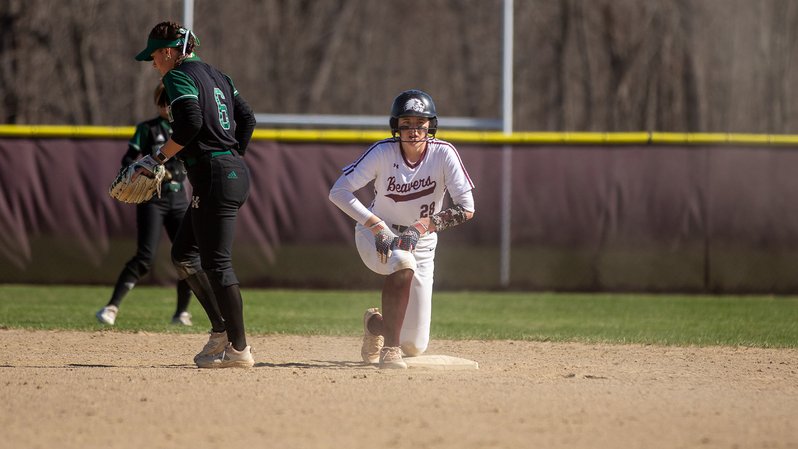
{"type": "Point", "coordinates": [403, 193]}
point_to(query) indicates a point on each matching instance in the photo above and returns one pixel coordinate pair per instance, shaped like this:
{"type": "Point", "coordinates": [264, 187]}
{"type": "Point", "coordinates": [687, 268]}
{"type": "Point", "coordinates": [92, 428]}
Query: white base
{"type": "Point", "coordinates": [440, 362]}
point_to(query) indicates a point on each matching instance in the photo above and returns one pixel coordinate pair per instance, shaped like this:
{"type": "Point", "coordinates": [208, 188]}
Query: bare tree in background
{"type": "Point", "coordinates": [603, 65]}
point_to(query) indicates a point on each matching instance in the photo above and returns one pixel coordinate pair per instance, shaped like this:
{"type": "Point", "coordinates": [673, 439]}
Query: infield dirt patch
{"type": "Point", "coordinates": [110, 389]}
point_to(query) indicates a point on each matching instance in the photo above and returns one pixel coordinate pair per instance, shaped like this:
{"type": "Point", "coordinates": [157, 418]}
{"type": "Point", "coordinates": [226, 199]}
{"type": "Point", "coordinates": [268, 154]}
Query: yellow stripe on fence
{"type": "Point", "coordinates": [477, 137]}
{"type": "Point", "coordinates": [64, 131]}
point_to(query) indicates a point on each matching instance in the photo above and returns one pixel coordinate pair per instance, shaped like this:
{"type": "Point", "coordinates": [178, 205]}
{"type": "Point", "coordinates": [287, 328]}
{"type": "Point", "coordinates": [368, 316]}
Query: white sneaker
{"type": "Point", "coordinates": [229, 358]}
{"type": "Point", "coordinates": [370, 351]}
{"type": "Point", "coordinates": [391, 358]}
{"type": "Point", "coordinates": [107, 315]}
{"type": "Point", "coordinates": [215, 345]}
{"type": "Point", "coordinates": [184, 319]}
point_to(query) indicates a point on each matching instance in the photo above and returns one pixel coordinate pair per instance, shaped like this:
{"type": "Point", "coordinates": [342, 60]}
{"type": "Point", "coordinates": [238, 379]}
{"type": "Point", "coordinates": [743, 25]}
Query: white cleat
{"type": "Point", "coordinates": [184, 319]}
{"type": "Point", "coordinates": [228, 358]}
{"type": "Point", "coordinates": [216, 344]}
{"type": "Point", "coordinates": [372, 344]}
{"type": "Point", "coordinates": [391, 358]}
{"type": "Point", "coordinates": [107, 315]}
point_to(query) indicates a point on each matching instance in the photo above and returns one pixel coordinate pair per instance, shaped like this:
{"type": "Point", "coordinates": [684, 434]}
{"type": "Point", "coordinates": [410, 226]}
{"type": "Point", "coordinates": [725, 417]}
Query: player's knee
{"type": "Point", "coordinates": [184, 268]}
{"type": "Point", "coordinates": [223, 276]}
{"type": "Point", "coordinates": [411, 349]}
{"type": "Point", "coordinates": [403, 260]}
{"type": "Point", "coordinates": [138, 268]}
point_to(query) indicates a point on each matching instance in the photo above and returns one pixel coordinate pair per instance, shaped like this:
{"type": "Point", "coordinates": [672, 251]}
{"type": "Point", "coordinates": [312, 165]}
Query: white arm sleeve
{"type": "Point", "coordinates": [347, 202]}
{"type": "Point", "coordinates": [465, 199]}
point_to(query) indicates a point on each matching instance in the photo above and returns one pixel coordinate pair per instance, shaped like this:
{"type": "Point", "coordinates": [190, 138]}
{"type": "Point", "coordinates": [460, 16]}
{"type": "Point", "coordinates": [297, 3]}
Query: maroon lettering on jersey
{"type": "Point", "coordinates": [413, 190]}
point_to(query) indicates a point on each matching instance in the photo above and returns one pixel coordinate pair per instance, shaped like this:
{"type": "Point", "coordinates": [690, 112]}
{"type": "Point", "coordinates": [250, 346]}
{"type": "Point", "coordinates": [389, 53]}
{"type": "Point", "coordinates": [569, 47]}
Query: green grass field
{"type": "Point", "coordinates": [759, 321]}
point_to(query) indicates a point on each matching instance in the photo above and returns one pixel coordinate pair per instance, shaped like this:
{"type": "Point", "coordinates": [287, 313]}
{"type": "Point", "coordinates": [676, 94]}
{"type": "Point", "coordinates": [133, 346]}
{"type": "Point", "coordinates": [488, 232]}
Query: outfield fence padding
{"type": "Point", "coordinates": [690, 218]}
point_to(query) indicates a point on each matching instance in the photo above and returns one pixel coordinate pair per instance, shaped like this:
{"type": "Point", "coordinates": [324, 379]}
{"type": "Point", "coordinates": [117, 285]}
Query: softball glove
{"type": "Point", "coordinates": [128, 188]}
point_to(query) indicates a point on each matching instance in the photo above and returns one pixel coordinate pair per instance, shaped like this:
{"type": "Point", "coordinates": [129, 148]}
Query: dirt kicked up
{"type": "Point", "coordinates": [110, 389]}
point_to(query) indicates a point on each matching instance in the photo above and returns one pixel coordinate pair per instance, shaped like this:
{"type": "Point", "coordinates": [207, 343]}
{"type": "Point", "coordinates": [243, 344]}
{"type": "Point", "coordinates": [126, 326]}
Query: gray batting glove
{"type": "Point", "coordinates": [384, 241]}
{"type": "Point", "coordinates": [145, 166]}
{"type": "Point", "coordinates": [408, 240]}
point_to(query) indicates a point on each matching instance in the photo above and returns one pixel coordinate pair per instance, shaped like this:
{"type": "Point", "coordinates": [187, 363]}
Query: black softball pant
{"type": "Point", "coordinates": [151, 218]}
{"type": "Point", "coordinates": [205, 240]}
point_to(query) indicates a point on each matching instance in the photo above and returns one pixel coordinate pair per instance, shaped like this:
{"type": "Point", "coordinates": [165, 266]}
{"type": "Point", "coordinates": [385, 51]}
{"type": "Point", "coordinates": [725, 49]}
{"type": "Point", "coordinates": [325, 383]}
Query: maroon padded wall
{"type": "Point", "coordinates": [584, 218]}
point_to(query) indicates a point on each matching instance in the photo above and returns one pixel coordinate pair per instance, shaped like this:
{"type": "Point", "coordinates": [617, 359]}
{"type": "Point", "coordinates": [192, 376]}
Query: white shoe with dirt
{"type": "Point", "coordinates": [372, 344]}
{"type": "Point", "coordinates": [216, 344]}
{"type": "Point", "coordinates": [183, 319]}
{"type": "Point", "coordinates": [391, 358]}
{"type": "Point", "coordinates": [229, 358]}
{"type": "Point", "coordinates": [107, 315]}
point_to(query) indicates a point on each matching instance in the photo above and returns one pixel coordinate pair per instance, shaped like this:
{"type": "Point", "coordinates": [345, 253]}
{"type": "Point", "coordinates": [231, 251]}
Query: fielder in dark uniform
{"type": "Point", "coordinates": [151, 216]}
{"type": "Point", "coordinates": [212, 126]}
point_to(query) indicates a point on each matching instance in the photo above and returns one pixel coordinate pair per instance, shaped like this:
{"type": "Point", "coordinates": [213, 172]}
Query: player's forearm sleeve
{"type": "Point", "coordinates": [187, 121]}
{"type": "Point", "coordinates": [449, 218]}
{"type": "Point", "coordinates": [245, 123]}
{"type": "Point", "coordinates": [455, 215]}
{"type": "Point", "coordinates": [347, 202]}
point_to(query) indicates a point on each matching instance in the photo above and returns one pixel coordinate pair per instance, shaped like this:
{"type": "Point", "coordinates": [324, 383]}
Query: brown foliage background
{"type": "Point", "coordinates": [603, 65]}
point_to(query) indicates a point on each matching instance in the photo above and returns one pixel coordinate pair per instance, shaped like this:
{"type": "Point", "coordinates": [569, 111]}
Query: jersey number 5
{"type": "Point", "coordinates": [224, 118]}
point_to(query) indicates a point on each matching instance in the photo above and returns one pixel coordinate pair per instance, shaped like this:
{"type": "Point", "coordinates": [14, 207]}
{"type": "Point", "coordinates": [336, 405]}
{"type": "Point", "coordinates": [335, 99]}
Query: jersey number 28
{"type": "Point", "coordinates": [427, 210]}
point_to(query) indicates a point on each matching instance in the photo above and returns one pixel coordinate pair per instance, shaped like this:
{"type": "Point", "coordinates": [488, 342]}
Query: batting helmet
{"type": "Point", "coordinates": [414, 103]}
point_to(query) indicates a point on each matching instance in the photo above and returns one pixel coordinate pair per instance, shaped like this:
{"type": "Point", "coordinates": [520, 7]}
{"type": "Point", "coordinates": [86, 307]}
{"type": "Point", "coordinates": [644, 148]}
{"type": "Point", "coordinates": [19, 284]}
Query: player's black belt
{"type": "Point", "coordinates": [191, 161]}
{"type": "Point", "coordinates": [400, 228]}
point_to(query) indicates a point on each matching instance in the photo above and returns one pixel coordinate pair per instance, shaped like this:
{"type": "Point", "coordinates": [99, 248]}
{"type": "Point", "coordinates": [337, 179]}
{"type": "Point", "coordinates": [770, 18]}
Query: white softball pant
{"type": "Point", "coordinates": [414, 336]}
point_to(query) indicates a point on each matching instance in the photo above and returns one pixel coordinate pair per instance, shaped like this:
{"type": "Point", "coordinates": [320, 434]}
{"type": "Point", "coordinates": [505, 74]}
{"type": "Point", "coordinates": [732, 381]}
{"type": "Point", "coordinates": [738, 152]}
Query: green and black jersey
{"type": "Point", "coordinates": [148, 139]}
{"type": "Point", "coordinates": [214, 91]}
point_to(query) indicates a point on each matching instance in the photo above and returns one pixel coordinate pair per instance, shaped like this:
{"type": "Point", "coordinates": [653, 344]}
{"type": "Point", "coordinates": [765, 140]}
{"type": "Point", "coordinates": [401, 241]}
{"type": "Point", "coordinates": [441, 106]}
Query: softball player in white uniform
{"type": "Point", "coordinates": [396, 235]}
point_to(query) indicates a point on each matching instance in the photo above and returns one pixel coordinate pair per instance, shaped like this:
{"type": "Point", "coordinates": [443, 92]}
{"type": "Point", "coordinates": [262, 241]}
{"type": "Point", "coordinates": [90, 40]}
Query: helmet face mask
{"type": "Point", "coordinates": [413, 103]}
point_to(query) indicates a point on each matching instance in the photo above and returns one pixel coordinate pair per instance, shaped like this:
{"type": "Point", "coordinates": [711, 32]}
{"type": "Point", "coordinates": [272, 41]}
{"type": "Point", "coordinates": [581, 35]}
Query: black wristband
{"type": "Point", "coordinates": [160, 157]}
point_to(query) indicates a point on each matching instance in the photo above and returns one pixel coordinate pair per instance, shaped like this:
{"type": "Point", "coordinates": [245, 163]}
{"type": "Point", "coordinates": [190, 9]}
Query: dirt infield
{"type": "Point", "coordinates": [120, 390]}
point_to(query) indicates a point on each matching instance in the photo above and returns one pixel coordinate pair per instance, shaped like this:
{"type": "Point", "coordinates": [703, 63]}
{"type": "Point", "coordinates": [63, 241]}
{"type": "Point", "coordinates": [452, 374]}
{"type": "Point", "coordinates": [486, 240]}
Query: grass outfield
{"type": "Point", "coordinates": [757, 321]}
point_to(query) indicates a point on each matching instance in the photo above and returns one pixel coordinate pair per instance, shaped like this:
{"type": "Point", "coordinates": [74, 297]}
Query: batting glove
{"type": "Point", "coordinates": [408, 240]}
{"type": "Point", "coordinates": [384, 242]}
{"type": "Point", "coordinates": [145, 166]}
